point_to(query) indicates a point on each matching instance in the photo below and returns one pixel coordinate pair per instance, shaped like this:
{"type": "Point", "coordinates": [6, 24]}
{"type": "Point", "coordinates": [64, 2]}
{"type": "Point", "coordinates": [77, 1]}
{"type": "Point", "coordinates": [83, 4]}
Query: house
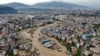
{"type": "Point", "coordinates": [1, 54]}
{"type": "Point", "coordinates": [74, 50]}
{"type": "Point", "coordinates": [46, 42]}
{"type": "Point", "coordinates": [61, 17]}
{"type": "Point", "coordinates": [69, 40]}
{"type": "Point", "coordinates": [15, 52]}
{"type": "Point", "coordinates": [85, 36]}
{"type": "Point", "coordinates": [86, 53]}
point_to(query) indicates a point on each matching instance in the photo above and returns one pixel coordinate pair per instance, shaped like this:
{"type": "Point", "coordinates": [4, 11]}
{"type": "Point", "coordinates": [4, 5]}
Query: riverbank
{"type": "Point", "coordinates": [44, 51]}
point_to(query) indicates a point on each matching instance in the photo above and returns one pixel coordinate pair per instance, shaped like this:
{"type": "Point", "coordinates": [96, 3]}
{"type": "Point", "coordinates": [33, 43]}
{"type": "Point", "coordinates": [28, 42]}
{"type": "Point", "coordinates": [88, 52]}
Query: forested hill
{"type": "Point", "coordinates": [7, 10]}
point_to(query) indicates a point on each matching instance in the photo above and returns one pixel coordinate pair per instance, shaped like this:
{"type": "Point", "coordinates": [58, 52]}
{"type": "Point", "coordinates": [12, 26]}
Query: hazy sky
{"type": "Point", "coordinates": [82, 2]}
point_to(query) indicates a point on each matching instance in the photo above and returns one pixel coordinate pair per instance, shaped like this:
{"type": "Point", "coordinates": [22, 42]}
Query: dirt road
{"type": "Point", "coordinates": [44, 51]}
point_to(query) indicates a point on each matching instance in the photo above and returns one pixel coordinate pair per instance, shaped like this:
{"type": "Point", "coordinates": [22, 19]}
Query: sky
{"type": "Point", "coordinates": [30, 2]}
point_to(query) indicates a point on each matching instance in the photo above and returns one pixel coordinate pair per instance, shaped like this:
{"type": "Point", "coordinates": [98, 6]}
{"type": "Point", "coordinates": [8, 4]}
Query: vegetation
{"type": "Point", "coordinates": [7, 10]}
{"type": "Point", "coordinates": [96, 26]}
{"type": "Point", "coordinates": [9, 52]}
{"type": "Point", "coordinates": [68, 46]}
{"type": "Point", "coordinates": [79, 52]}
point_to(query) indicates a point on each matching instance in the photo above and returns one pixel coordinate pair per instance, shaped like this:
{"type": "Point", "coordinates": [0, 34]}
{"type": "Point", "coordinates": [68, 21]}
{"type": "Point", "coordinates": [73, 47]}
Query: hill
{"type": "Point", "coordinates": [7, 10]}
{"type": "Point", "coordinates": [58, 5]}
{"type": "Point", "coordinates": [46, 5]}
{"type": "Point", "coordinates": [17, 5]}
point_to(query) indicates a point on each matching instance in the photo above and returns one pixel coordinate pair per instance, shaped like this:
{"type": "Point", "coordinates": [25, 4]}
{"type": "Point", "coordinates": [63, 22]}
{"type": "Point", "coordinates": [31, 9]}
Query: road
{"type": "Point", "coordinates": [44, 51]}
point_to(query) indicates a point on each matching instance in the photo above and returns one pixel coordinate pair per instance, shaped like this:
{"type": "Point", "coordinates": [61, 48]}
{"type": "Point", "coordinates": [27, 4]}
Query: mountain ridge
{"type": "Point", "coordinates": [47, 5]}
{"type": "Point", "coordinates": [57, 5]}
{"type": "Point", "coordinates": [16, 5]}
{"type": "Point", "coordinates": [7, 10]}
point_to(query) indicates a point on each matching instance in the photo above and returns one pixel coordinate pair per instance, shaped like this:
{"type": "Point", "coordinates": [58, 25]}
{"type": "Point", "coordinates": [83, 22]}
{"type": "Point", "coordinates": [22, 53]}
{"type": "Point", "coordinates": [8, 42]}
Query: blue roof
{"type": "Point", "coordinates": [85, 36]}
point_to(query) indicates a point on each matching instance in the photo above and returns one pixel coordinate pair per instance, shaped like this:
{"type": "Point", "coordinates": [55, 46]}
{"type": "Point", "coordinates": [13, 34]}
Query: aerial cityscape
{"type": "Point", "coordinates": [49, 28]}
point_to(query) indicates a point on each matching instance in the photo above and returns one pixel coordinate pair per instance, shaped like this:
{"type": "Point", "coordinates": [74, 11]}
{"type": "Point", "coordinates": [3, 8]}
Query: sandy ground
{"type": "Point", "coordinates": [44, 51]}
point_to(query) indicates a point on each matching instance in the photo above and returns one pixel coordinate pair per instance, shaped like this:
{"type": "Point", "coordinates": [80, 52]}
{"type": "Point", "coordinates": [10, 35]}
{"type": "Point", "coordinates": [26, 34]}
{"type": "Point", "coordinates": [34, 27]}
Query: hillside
{"type": "Point", "coordinates": [7, 10]}
{"type": "Point", "coordinates": [46, 5]}
{"type": "Point", "coordinates": [58, 5]}
{"type": "Point", "coordinates": [17, 5]}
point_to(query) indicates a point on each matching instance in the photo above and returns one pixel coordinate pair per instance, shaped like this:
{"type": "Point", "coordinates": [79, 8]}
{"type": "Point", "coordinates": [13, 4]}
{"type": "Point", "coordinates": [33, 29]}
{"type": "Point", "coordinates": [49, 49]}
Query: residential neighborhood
{"type": "Point", "coordinates": [49, 28]}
